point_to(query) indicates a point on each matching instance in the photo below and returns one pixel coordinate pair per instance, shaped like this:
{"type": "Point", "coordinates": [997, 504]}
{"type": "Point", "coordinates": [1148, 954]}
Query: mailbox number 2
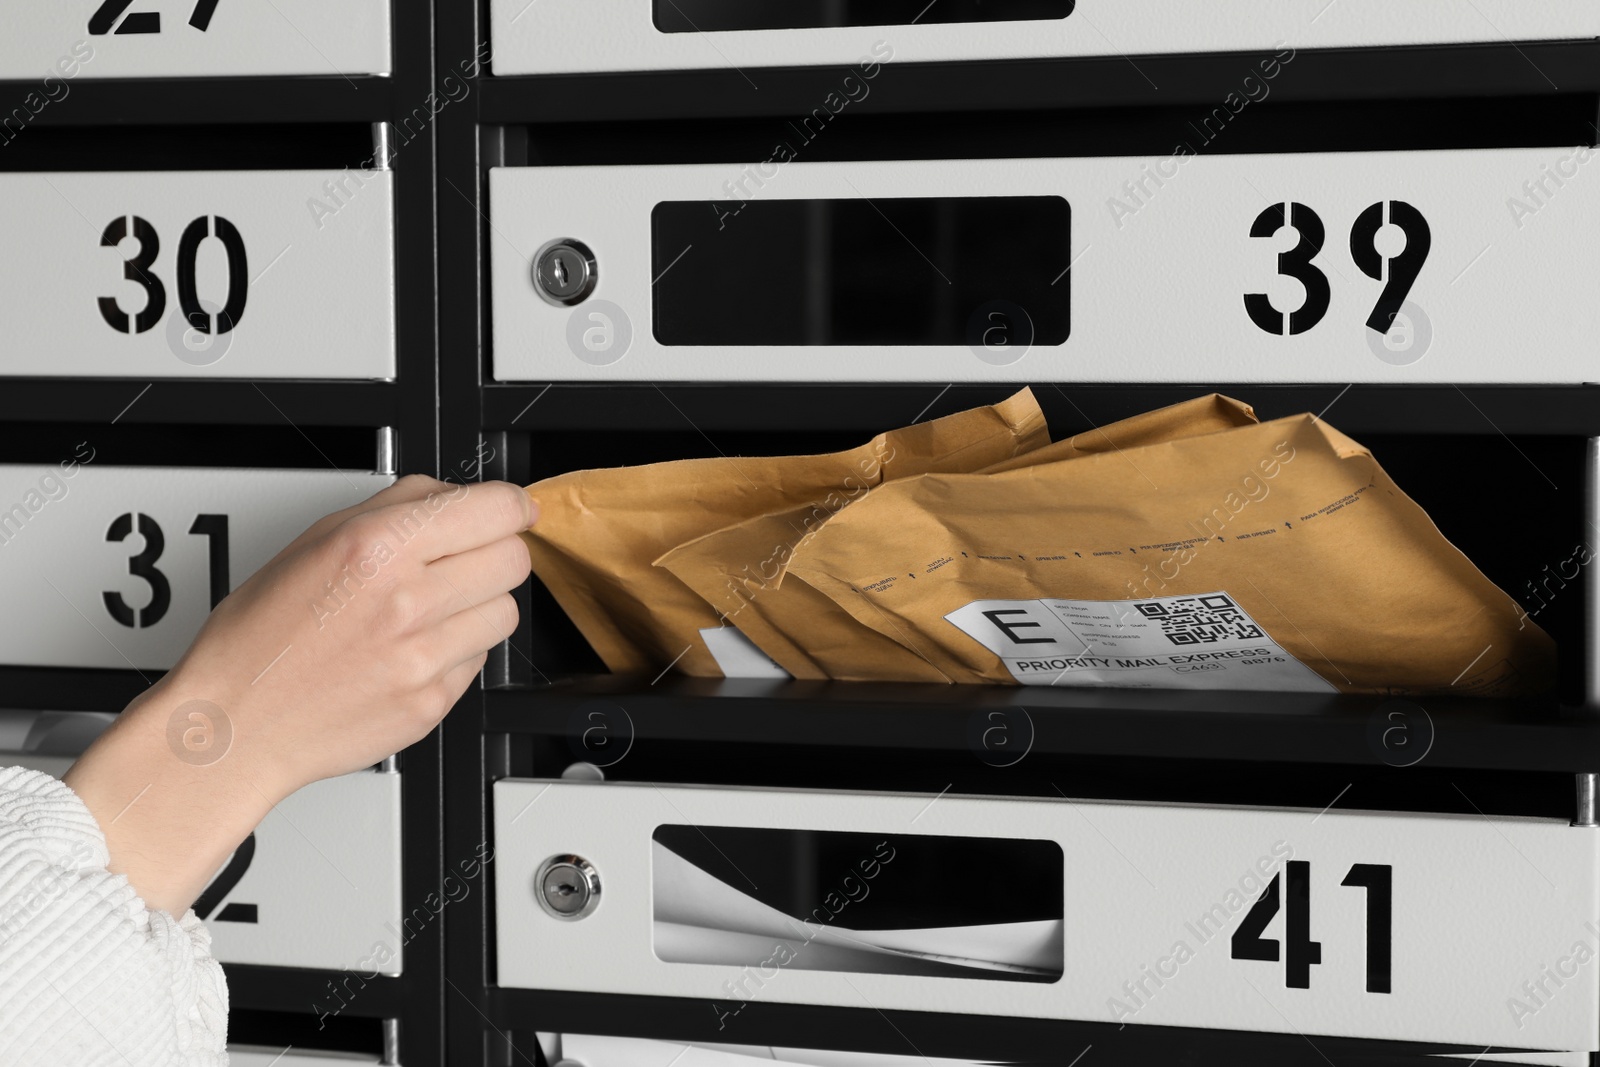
{"type": "Point", "coordinates": [106, 15]}
{"type": "Point", "coordinates": [143, 565]}
{"type": "Point", "coordinates": [224, 883]}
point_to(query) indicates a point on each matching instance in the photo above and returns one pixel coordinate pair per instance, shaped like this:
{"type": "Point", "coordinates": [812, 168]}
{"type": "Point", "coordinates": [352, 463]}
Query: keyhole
{"type": "Point", "coordinates": [566, 889]}
{"type": "Point", "coordinates": [559, 269]}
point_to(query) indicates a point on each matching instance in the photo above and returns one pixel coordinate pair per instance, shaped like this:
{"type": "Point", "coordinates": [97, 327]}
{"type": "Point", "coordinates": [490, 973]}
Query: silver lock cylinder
{"type": "Point", "coordinates": [564, 272]}
{"type": "Point", "coordinates": [567, 887]}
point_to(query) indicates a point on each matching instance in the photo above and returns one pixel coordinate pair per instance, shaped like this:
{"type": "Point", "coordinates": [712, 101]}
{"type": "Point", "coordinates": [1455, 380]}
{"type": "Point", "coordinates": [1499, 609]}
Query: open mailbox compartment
{"type": "Point", "coordinates": [1502, 472]}
{"type": "Point", "coordinates": [1519, 505]}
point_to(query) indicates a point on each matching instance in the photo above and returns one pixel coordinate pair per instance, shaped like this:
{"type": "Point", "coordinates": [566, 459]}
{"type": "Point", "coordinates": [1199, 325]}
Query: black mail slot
{"type": "Point", "coordinates": [859, 271]}
{"type": "Point", "coordinates": [689, 16]}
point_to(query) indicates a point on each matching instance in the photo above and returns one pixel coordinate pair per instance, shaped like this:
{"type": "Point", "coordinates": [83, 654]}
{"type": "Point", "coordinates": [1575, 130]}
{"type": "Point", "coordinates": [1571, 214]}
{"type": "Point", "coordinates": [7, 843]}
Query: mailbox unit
{"type": "Point", "coordinates": [263, 258]}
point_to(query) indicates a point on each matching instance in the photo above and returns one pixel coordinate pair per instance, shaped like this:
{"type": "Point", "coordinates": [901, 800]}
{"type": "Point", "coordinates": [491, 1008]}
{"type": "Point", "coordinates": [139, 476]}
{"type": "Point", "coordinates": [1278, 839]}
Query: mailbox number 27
{"type": "Point", "coordinates": [106, 15]}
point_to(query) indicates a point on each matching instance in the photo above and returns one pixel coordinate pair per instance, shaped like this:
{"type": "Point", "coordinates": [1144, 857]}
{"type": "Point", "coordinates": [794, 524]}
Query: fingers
{"type": "Point", "coordinates": [481, 574]}
{"type": "Point", "coordinates": [472, 631]}
{"type": "Point", "coordinates": [411, 488]}
{"type": "Point", "coordinates": [457, 519]}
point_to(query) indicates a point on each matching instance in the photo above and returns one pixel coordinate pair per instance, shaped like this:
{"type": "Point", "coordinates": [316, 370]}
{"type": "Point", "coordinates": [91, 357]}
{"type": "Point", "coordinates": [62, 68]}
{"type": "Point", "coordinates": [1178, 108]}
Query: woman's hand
{"type": "Point", "coordinates": [348, 646]}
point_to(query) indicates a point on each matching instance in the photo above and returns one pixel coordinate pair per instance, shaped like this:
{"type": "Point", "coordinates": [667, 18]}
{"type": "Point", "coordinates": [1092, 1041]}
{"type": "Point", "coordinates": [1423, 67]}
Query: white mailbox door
{"type": "Point", "coordinates": [1403, 927]}
{"type": "Point", "coordinates": [566, 36]}
{"type": "Point", "coordinates": [1373, 267]}
{"type": "Point", "coordinates": [53, 44]}
{"type": "Point", "coordinates": [237, 274]}
{"type": "Point", "coordinates": [118, 567]}
{"type": "Point", "coordinates": [318, 884]}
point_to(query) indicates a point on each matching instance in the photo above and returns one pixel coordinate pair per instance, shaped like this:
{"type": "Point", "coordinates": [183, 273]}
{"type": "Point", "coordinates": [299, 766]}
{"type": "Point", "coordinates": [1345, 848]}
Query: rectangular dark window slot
{"type": "Point", "coordinates": [892, 903]}
{"type": "Point", "coordinates": [886, 271]}
{"type": "Point", "coordinates": [690, 16]}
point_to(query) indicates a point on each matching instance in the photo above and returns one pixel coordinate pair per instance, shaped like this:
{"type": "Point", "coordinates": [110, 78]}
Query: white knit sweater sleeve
{"type": "Point", "coordinates": [88, 975]}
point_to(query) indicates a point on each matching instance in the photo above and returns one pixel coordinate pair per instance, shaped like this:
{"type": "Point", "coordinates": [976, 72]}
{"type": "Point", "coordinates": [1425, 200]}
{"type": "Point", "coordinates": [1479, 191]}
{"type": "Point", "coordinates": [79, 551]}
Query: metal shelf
{"type": "Point", "coordinates": [908, 719]}
{"type": "Point", "coordinates": [810, 406]}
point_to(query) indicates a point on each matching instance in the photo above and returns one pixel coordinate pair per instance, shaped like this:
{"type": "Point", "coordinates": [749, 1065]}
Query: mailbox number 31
{"type": "Point", "coordinates": [212, 527]}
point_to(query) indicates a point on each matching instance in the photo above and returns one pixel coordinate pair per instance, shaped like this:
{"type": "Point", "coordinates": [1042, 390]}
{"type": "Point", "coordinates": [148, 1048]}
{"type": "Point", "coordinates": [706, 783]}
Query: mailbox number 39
{"type": "Point", "coordinates": [1398, 274]}
{"type": "Point", "coordinates": [106, 15]}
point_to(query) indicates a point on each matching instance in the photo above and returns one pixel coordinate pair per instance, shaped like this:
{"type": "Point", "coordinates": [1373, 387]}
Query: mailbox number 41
{"type": "Point", "coordinates": [1299, 952]}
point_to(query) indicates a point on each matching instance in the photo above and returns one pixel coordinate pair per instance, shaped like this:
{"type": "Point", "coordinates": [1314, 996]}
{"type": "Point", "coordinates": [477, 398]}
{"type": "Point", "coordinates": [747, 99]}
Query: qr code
{"type": "Point", "coordinates": [1200, 620]}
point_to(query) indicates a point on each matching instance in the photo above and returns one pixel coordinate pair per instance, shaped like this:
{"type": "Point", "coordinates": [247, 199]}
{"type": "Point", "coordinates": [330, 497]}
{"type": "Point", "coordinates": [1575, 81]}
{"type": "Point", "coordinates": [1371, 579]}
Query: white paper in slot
{"type": "Point", "coordinates": [701, 919]}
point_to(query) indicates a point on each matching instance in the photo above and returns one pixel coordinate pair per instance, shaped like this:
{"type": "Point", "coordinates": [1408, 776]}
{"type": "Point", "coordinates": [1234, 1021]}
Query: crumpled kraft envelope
{"type": "Point", "coordinates": [1273, 557]}
{"type": "Point", "coordinates": [805, 632]}
{"type": "Point", "coordinates": [600, 531]}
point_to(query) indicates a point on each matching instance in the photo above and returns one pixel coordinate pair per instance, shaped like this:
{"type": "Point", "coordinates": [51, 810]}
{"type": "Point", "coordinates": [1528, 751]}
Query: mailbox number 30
{"type": "Point", "coordinates": [106, 15]}
{"type": "Point", "coordinates": [137, 270]}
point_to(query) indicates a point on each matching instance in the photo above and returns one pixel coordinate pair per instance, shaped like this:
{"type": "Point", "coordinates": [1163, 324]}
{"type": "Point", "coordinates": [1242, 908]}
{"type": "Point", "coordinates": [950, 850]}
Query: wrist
{"type": "Point", "coordinates": [174, 790]}
{"type": "Point", "coordinates": [219, 729]}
